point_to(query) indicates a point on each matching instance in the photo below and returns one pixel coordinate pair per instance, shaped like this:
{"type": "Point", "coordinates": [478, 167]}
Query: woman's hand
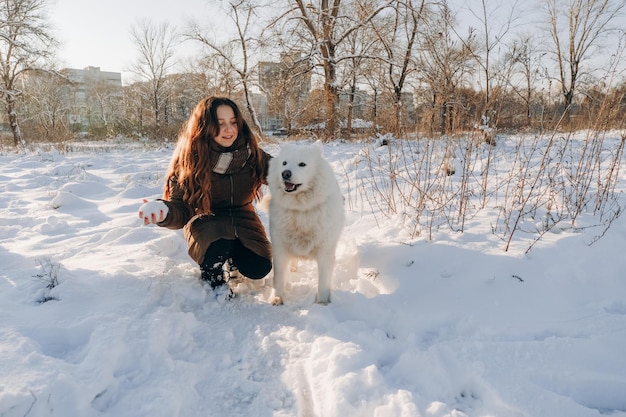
{"type": "Point", "coordinates": [153, 211]}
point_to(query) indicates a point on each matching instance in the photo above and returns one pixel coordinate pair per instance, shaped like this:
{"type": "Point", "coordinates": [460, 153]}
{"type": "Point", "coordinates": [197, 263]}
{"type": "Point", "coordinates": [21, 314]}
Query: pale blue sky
{"type": "Point", "coordinates": [97, 33]}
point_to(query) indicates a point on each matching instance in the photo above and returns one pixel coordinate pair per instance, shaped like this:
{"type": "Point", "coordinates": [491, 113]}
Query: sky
{"type": "Point", "coordinates": [101, 316]}
{"type": "Point", "coordinates": [97, 33]}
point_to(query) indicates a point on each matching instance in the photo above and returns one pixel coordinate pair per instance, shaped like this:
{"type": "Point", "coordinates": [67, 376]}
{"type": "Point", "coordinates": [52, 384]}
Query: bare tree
{"type": "Point", "coordinates": [236, 52]}
{"type": "Point", "coordinates": [104, 104]}
{"type": "Point", "coordinates": [576, 27]}
{"type": "Point", "coordinates": [286, 84]}
{"type": "Point", "coordinates": [374, 76]}
{"type": "Point", "coordinates": [495, 18]}
{"type": "Point", "coordinates": [444, 66]}
{"type": "Point", "coordinates": [351, 76]}
{"type": "Point", "coordinates": [218, 76]}
{"type": "Point", "coordinates": [25, 44]}
{"type": "Point", "coordinates": [524, 60]}
{"type": "Point", "coordinates": [327, 26]}
{"type": "Point", "coordinates": [155, 44]}
{"type": "Point", "coordinates": [399, 38]}
{"type": "Point", "coordinates": [46, 106]}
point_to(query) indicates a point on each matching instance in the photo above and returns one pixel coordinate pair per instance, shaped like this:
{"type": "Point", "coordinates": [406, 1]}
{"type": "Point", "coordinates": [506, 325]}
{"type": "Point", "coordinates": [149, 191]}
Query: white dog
{"type": "Point", "coordinates": [306, 214]}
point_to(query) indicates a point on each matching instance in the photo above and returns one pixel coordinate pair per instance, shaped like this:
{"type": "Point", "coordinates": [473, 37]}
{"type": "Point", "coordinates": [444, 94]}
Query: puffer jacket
{"type": "Point", "coordinates": [234, 216]}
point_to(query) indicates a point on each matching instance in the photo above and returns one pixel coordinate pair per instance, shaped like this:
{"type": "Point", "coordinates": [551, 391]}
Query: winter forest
{"type": "Point", "coordinates": [334, 69]}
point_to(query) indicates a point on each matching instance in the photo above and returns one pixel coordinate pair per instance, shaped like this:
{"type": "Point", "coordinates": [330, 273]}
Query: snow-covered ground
{"type": "Point", "coordinates": [102, 316]}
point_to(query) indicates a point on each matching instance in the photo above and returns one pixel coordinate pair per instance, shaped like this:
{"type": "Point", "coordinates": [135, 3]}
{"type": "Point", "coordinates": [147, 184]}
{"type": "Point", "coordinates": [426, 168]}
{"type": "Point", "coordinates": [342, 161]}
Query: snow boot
{"type": "Point", "coordinates": [215, 276]}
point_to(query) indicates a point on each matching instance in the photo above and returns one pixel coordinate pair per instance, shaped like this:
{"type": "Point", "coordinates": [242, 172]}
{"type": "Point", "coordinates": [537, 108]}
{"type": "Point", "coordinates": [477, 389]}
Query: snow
{"type": "Point", "coordinates": [102, 316]}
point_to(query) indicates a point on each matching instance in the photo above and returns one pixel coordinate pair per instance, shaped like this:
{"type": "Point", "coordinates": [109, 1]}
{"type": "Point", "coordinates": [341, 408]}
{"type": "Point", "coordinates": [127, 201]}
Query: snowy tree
{"type": "Point", "coordinates": [155, 43]}
{"type": "Point", "coordinates": [576, 28]}
{"type": "Point", "coordinates": [26, 43]}
{"type": "Point", "coordinates": [323, 28]}
{"type": "Point", "coordinates": [236, 52]}
{"type": "Point", "coordinates": [399, 37]}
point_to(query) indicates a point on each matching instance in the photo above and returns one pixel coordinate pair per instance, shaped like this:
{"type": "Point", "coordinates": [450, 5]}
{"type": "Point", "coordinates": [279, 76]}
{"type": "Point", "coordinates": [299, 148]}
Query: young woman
{"type": "Point", "coordinates": [213, 178]}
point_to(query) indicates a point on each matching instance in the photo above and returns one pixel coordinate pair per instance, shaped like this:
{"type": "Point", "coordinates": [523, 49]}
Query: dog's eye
{"type": "Point", "coordinates": [284, 163]}
{"type": "Point", "coordinates": [301, 164]}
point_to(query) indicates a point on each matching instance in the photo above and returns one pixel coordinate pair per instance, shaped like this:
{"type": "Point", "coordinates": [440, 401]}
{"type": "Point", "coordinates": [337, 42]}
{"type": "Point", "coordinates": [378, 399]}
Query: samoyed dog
{"type": "Point", "coordinates": [306, 214]}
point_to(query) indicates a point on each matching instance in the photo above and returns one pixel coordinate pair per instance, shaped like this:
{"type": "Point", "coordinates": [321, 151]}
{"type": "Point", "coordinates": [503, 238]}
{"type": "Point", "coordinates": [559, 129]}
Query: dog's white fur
{"type": "Point", "coordinates": [305, 222]}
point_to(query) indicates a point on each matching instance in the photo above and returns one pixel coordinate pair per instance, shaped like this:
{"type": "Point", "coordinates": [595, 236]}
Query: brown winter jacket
{"type": "Point", "coordinates": [234, 216]}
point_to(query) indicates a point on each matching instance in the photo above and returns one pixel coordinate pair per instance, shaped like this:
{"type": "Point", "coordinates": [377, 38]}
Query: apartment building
{"type": "Point", "coordinates": [89, 90]}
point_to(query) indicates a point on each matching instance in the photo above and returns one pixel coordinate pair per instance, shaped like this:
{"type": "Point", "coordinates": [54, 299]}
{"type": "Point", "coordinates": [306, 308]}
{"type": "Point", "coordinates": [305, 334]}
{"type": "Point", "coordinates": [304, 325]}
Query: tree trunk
{"type": "Point", "coordinates": [331, 96]}
{"type": "Point", "coordinates": [351, 106]}
{"type": "Point", "coordinates": [332, 112]}
{"type": "Point", "coordinates": [252, 110]}
{"type": "Point", "coordinates": [398, 111]}
{"type": "Point", "coordinates": [18, 139]}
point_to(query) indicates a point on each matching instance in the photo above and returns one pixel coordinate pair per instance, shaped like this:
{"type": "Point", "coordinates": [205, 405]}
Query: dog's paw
{"type": "Point", "coordinates": [277, 301]}
{"type": "Point", "coordinates": [322, 302]}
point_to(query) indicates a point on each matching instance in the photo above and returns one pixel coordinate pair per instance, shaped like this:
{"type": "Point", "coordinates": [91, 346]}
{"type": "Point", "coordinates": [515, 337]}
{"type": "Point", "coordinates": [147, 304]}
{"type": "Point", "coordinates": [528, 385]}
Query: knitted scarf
{"type": "Point", "coordinates": [229, 160]}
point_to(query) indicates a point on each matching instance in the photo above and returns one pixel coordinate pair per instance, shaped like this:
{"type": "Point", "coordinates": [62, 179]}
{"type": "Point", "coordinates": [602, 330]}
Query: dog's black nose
{"type": "Point", "coordinates": [286, 174]}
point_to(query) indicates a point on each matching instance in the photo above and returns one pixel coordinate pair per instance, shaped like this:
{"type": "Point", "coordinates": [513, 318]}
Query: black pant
{"type": "Point", "coordinates": [247, 262]}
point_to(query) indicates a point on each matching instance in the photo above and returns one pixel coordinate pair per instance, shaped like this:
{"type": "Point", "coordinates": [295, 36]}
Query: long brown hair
{"type": "Point", "coordinates": [190, 165]}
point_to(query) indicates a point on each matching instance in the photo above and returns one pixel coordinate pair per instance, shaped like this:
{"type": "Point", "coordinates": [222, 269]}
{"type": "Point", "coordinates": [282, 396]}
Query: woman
{"type": "Point", "coordinates": [214, 176]}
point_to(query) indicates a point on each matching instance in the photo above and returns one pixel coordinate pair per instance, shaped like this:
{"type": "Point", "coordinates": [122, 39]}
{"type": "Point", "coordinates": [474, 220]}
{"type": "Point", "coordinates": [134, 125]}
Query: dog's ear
{"type": "Point", "coordinates": [319, 146]}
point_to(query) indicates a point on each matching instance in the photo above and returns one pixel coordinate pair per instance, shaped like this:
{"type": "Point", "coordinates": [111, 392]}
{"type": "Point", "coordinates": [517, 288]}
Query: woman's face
{"type": "Point", "coordinates": [228, 126]}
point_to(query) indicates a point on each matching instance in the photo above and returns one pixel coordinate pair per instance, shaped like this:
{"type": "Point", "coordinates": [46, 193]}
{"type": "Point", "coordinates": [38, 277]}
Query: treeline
{"type": "Point", "coordinates": [337, 68]}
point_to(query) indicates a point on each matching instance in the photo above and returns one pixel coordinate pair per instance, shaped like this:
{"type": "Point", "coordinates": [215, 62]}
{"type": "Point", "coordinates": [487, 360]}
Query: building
{"type": "Point", "coordinates": [87, 86]}
{"type": "Point", "coordinates": [286, 85]}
